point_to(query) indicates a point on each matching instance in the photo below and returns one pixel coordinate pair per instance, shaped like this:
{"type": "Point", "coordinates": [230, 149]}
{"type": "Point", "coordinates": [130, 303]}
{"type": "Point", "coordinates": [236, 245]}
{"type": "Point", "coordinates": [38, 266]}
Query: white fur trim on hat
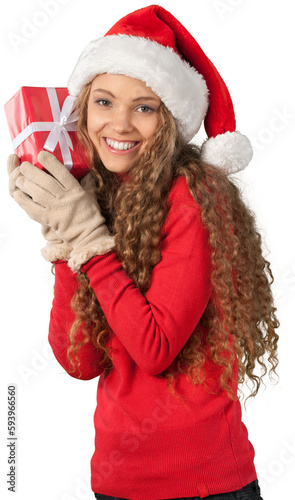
{"type": "Point", "coordinates": [231, 151]}
{"type": "Point", "coordinates": [182, 89]}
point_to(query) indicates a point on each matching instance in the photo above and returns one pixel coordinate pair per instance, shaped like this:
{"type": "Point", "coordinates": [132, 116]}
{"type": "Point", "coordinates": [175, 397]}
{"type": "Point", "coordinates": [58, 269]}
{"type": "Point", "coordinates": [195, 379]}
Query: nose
{"type": "Point", "coordinates": [122, 121]}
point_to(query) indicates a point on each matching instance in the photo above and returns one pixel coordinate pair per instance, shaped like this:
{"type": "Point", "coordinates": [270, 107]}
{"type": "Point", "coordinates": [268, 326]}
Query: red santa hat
{"type": "Point", "coordinates": [151, 45]}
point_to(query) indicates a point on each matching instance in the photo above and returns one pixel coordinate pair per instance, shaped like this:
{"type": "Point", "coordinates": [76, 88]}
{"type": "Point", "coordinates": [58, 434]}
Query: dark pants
{"type": "Point", "coordinates": [249, 492]}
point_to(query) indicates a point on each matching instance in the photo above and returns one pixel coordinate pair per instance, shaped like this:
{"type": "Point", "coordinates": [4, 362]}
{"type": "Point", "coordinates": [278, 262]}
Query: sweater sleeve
{"type": "Point", "coordinates": [61, 320]}
{"type": "Point", "coordinates": [153, 329]}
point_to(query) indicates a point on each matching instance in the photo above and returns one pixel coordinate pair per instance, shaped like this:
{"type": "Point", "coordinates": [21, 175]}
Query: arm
{"type": "Point", "coordinates": [153, 329]}
{"type": "Point", "coordinates": [61, 320]}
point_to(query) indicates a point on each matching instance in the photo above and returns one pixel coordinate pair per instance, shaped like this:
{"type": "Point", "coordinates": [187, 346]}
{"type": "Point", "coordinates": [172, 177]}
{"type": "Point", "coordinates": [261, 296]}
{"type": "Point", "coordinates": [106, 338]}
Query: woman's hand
{"type": "Point", "coordinates": [60, 202]}
{"type": "Point", "coordinates": [55, 248]}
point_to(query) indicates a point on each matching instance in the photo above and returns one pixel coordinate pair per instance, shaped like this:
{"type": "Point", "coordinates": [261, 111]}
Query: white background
{"type": "Point", "coordinates": [251, 42]}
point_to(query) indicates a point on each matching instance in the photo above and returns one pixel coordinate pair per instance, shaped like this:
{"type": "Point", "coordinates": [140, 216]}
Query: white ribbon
{"type": "Point", "coordinates": [64, 121]}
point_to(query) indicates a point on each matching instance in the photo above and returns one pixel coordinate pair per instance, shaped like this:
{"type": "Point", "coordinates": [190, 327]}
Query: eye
{"type": "Point", "coordinates": [144, 109]}
{"type": "Point", "coordinates": [103, 102]}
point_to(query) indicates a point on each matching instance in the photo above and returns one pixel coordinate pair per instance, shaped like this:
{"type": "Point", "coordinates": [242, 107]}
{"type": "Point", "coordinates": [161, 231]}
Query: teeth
{"type": "Point", "coordinates": [120, 146]}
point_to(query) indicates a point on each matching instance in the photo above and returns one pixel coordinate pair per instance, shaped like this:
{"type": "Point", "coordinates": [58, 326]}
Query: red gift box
{"type": "Point", "coordinates": [44, 118]}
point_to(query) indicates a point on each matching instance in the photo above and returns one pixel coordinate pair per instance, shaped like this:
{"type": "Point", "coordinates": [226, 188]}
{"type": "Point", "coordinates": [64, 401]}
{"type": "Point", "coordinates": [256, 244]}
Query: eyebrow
{"type": "Point", "coordinates": [141, 98]}
{"type": "Point", "coordinates": [105, 91]}
{"type": "Point", "coordinates": [145, 98]}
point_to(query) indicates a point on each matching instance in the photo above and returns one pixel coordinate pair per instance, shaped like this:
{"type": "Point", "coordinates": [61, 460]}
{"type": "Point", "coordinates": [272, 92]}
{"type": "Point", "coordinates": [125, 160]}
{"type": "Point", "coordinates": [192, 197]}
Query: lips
{"type": "Point", "coordinates": [120, 146]}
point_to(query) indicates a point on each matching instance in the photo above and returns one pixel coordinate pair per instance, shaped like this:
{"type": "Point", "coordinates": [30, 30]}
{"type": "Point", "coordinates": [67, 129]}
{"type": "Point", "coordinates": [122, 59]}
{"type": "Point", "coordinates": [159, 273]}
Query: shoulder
{"type": "Point", "coordinates": [184, 212]}
{"type": "Point", "coordinates": [180, 195]}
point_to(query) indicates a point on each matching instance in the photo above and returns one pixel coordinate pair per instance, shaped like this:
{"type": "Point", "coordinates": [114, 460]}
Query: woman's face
{"type": "Point", "coordinates": [123, 114]}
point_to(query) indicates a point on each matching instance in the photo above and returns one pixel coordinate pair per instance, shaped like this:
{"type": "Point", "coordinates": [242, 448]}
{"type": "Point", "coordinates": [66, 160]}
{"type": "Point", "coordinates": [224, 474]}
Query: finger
{"type": "Point", "coordinates": [88, 182]}
{"type": "Point", "coordinates": [13, 162]}
{"type": "Point", "coordinates": [15, 173]}
{"type": "Point", "coordinates": [37, 193]}
{"type": "Point", "coordinates": [36, 212]}
{"type": "Point", "coordinates": [41, 179]}
{"type": "Point", "coordinates": [48, 233]}
{"type": "Point", "coordinates": [58, 170]}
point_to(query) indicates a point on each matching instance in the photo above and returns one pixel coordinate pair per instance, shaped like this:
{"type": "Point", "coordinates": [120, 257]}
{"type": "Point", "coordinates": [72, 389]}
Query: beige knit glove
{"type": "Point", "coordinates": [55, 248]}
{"type": "Point", "coordinates": [59, 201]}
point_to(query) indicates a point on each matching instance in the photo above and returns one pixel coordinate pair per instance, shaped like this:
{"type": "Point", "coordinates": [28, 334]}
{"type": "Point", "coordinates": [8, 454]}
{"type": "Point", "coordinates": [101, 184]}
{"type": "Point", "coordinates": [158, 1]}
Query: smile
{"type": "Point", "coordinates": [120, 146]}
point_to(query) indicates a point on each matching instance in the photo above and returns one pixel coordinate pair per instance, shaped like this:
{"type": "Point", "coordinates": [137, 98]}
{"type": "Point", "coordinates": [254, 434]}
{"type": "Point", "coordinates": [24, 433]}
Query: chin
{"type": "Point", "coordinates": [116, 169]}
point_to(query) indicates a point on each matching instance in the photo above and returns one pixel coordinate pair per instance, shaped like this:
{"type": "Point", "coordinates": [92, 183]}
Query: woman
{"type": "Point", "coordinates": [161, 288]}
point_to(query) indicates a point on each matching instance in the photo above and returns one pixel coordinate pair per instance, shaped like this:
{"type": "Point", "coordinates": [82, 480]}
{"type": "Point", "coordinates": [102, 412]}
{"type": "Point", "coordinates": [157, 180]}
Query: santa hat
{"type": "Point", "coordinates": [151, 45]}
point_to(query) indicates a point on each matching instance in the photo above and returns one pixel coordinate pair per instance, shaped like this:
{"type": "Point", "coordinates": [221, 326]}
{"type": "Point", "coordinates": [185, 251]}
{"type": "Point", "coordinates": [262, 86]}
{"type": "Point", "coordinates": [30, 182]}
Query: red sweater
{"type": "Point", "coordinates": [149, 444]}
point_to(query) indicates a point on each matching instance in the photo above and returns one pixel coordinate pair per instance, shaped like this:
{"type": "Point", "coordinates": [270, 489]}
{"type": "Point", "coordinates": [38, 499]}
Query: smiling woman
{"type": "Point", "coordinates": [162, 290]}
{"type": "Point", "coordinates": [123, 114]}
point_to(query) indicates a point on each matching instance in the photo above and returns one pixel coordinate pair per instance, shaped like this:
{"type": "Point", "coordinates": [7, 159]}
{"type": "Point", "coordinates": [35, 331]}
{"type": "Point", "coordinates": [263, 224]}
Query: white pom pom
{"type": "Point", "coordinates": [231, 152]}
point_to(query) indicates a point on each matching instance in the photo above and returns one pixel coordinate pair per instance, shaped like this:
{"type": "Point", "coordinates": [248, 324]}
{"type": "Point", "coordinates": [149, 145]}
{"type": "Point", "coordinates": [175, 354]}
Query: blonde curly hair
{"type": "Point", "coordinates": [237, 329]}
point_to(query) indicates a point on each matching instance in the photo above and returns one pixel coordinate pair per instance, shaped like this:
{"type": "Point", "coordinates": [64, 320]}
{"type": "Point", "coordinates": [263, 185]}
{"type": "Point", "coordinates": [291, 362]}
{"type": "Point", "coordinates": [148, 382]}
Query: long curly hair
{"type": "Point", "coordinates": [239, 321]}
